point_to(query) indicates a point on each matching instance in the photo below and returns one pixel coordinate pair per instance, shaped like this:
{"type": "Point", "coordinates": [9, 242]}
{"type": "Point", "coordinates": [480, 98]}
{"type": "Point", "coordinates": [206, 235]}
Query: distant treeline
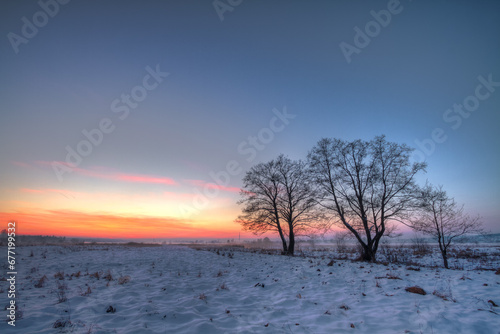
{"type": "Point", "coordinates": [34, 240]}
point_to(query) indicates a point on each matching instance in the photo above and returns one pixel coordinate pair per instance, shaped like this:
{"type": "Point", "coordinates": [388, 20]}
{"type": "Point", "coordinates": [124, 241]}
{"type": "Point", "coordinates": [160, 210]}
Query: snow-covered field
{"type": "Point", "coordinates": [173, 289]}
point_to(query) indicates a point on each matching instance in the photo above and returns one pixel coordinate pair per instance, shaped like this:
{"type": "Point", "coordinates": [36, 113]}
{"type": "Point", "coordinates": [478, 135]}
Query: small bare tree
{"type": "Point", "coordinates": [260, 195]}
{"type": "Point", "coordinates": [298, 200]}
{"type": "Point", "coordinates": [443, 219]}
{"type": "Point", "coordinates": [279, 196]}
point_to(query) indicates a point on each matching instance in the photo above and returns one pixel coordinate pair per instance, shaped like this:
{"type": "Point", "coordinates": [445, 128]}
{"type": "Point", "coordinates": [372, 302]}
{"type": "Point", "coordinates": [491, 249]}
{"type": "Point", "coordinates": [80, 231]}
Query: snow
{"type": "Point", "coordinates": [174, 289]}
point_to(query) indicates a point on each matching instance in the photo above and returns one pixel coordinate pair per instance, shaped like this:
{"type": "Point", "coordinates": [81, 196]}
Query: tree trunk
{"type": "Point", "coordinates": [291, 243]}
{"type": "Point", "coordinates": [442, 248]}
{"type": "Point", "coordinates": [445, 259]}
{"type": "Point", "coordinates": [283, 240]}
{"type": "Point", "coordinates": [285, 248]}
{"type": "Point", "coordinates": [368, 253]}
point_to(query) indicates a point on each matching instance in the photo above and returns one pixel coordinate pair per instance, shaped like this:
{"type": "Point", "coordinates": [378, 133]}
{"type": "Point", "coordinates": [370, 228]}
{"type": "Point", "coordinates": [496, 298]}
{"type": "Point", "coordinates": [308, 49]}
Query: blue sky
{"type": "Point", "coordinates": [225, 78]}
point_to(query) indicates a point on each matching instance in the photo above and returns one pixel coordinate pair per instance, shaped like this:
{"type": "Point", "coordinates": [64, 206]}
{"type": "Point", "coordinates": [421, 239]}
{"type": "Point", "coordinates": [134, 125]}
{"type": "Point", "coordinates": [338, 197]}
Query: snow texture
{"type": "Point", "coordinates": [174, 289]}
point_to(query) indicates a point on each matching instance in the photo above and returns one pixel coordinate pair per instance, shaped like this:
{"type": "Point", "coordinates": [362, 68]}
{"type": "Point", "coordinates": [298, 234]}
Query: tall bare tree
{"type": "Point", "coordinates": [279, 196]}
{"type": "Point", "coordinates": [298, 204]}
{"type": "Point", "coordinates": [366, 185]}
{"type": "Point", "coordinates": [260, 195]}
{"type": "Point", "coordinates": [443, 219]}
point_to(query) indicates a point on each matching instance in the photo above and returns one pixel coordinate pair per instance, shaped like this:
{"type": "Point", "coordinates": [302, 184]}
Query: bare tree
{"type": "Point", "coordinates": [366, 185]}
{"type": "Point", "coordinates": [298, 200]}
{"type": "Point", "coordinates": [260, 195]}
{"type": "Point", "coordinates": [443, 219]}
{"type": "Point", "coordinates": [279, 196]}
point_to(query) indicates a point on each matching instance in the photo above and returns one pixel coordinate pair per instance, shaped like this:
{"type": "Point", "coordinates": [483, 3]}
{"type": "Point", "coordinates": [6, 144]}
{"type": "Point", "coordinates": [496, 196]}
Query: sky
{"type": "Point", "coordinates": [138, 119]}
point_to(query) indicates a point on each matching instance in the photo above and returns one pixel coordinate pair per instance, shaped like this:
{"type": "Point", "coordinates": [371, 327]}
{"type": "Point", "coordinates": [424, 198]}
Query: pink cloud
{"type": "Point", "coordinates": [144, 179]}
{"type": "Point", "coordinates": [117, 176]}
{"type": "Point", "coordinates": [110, 174]}
{"type": "Point", "coordinates": [201, 184]}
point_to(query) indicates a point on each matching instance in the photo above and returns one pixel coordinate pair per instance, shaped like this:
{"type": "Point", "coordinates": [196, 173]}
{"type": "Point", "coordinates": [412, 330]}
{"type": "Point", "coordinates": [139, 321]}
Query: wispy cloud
{"type": "Point", "coordinates": [111, 174]}
{"type": "Point", "coordinates": [143, 179]}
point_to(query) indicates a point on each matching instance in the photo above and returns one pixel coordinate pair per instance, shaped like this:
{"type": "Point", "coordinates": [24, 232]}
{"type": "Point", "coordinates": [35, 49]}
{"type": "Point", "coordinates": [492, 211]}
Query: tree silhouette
{"type": "Point", "coordinates": [279, 196]}
{"type": "Point", "coordinates": [366, 185]}
{"type": "Point", "coordinates": [443, 219]}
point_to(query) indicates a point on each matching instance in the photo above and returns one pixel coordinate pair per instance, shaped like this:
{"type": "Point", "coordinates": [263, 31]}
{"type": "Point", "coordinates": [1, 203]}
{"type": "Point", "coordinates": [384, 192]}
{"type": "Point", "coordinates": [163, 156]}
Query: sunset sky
{"type": "Point", "coordinates": [169, 103]}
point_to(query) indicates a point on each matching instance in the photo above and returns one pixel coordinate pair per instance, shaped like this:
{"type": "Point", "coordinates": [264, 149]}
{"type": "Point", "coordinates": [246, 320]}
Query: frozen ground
{"type": "Point", "coordinates": [172, 289]}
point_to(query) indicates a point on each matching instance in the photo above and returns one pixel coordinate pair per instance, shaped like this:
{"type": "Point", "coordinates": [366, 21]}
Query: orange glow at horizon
{"type": "Point", "coordinates": [91, 225]}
